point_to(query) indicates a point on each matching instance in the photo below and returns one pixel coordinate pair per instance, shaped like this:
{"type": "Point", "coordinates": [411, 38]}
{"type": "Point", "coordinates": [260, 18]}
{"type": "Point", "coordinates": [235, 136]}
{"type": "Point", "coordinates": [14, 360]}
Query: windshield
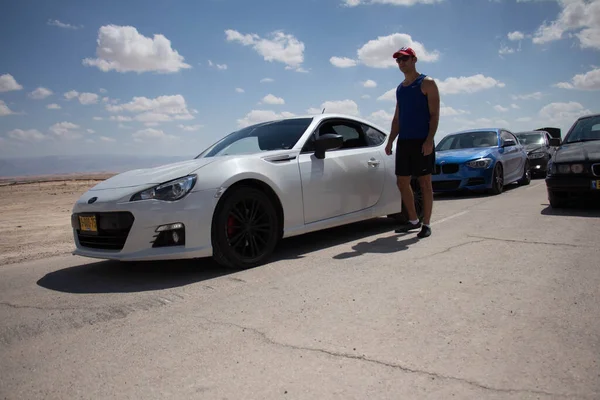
{"type": "Point", "coordinates": [468, 140]}
{"type": "Point", "coordinates": [585, 129]}
{"type": "Point", "coordinates": [530, 138]}
{"type": "Point", "coordinates": [266, 136]}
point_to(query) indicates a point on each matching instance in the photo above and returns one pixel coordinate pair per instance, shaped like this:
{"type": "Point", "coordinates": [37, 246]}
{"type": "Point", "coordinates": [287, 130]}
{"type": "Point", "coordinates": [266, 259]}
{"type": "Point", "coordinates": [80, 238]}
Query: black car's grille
{"type": "Point", "coordinates": [596, 169]}
{"type": "Point", "coordinates": [113, 229]}
{"type": "Point", "coordinates": [446, 185]}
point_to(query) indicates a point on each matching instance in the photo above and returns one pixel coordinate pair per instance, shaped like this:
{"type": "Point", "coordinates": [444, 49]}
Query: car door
{"type": "Point", "coordinates": [511, 156]}
{"type": "Point", "coordinates": [347, 180]}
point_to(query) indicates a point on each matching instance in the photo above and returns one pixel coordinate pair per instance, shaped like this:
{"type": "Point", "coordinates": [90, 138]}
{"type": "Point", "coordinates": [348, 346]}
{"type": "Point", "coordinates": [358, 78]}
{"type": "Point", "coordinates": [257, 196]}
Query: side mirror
{"type": "Point", "coordinates": [509, 142]}
{"type": "Point", "coordinates": [329, 141]}
{"type": "Point", "coordinates": [555, 142]}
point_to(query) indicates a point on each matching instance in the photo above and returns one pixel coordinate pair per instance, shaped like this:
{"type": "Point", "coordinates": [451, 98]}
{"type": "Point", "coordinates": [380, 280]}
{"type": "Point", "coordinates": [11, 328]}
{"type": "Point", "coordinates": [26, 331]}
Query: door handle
{"type": "Point", "coordinates": [373, 162]}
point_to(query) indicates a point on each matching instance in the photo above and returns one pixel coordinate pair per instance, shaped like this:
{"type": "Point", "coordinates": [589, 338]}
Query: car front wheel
{"type": "Point", "coordinates": [245, 228]}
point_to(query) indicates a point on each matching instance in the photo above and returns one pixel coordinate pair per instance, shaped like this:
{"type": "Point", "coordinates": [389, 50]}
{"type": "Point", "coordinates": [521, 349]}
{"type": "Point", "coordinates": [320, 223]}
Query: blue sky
{"type": "Point", "coordinates": [171, 77]}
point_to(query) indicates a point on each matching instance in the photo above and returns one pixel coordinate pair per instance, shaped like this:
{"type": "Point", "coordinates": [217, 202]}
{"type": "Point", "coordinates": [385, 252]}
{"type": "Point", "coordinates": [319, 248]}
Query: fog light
{"type": "Point", "coordinates": [175, 237]}
{"type": "Point", "coordinates": [169, 227]}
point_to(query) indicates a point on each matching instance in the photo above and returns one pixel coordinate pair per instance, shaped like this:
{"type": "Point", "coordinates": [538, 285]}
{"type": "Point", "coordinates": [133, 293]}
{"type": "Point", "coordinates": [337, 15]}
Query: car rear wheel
{"type": "Point", "coordinates": [497, 179]}
{"type": "Point", "coordinates": [526, 178]}
{"type": "Point", "coordinates": [245, 228]}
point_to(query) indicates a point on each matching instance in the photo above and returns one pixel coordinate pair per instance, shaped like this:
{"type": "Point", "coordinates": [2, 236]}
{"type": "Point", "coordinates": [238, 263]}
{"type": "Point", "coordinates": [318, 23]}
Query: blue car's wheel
{"type": "Point", "coordinates": [497, 179]}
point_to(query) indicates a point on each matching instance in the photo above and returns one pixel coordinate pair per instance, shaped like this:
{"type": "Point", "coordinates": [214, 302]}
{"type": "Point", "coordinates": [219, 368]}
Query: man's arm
{"type": "Point", "coordinates": [433, 99]}
{"type": "Point", "coordinates": [395, 126]}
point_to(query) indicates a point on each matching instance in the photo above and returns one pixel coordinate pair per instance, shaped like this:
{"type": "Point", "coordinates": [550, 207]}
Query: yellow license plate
{"type": "Point", "coordinates": [88, 224]}
{"type": "Point", "coordinates": [596, 185]}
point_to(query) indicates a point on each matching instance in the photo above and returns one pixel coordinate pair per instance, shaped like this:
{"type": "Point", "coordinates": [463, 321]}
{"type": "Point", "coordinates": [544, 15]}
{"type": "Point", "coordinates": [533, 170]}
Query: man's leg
{"type": "Point", "coordinates": [404, 163]}
{"type": "Point", "coordinates": [428, 165]}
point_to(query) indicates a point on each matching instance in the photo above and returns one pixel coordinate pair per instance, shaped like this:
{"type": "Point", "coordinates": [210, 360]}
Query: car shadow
{"type": "Point", "coordinates": [469, 194]}
{"type": "Point", "coordinates": [588, 208]}
{"type": "Point", "coordinates": [131, 277]}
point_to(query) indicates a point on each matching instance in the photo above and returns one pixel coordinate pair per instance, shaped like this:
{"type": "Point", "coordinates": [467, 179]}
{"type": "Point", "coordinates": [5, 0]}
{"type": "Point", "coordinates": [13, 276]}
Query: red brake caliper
{"type": "Point", "coordinates": [230, 226]}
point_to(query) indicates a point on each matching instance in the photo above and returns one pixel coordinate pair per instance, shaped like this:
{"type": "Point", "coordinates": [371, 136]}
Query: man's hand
{"type": "Point", "coordinates": [388, 149]}
{"type": "Point", "coordinates": [427, 147]}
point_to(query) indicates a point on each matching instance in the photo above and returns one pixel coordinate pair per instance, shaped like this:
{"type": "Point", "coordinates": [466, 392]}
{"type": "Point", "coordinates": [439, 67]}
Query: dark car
{"type": "Point", "coordinates": [538, 148]}
{"type": "Point", "coordinates": [574, 170]}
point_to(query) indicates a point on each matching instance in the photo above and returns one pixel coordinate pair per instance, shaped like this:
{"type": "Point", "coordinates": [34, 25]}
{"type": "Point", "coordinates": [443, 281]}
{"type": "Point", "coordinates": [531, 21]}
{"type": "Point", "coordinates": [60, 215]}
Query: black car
{"type": "Point", "coordinates": [574, 170]}
{"type": "Point", "coordinates": [538, 148]}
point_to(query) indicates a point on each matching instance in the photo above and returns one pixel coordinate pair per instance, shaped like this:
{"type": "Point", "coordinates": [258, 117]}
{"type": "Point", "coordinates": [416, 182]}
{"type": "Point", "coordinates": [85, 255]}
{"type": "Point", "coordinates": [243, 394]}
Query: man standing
{"type": "Point", "coordinates": [415, 123]}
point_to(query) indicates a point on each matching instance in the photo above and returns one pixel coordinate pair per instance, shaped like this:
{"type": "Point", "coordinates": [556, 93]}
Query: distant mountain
{"type": "Point", "coordinates": [51, 165]}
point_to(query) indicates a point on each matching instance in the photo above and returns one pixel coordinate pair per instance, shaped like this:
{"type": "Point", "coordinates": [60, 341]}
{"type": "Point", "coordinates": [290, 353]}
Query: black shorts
{"type": "Point", "coordinates": [410, 160]}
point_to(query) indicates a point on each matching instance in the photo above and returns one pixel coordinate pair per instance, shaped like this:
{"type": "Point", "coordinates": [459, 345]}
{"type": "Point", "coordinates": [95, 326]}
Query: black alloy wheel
{"type": "Point", "coordinates": [245, 228]}
{"type": "Point", "coordinates": [497, 179]}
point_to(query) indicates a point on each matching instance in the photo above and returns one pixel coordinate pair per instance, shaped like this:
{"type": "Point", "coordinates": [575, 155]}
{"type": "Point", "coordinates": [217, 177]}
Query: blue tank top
{"type": "Point", "coordinates": [414, 110]}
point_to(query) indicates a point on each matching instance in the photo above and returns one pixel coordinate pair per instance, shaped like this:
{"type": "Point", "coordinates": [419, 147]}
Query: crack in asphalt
{"type": "Point", "coordinates": [20, 306]}
{"type": "Point", "coordinates": [363, 358]}
{"type": "Point", "coordinates": [455, 246]}
{"type": "Point", "coordinates": [531, 242]}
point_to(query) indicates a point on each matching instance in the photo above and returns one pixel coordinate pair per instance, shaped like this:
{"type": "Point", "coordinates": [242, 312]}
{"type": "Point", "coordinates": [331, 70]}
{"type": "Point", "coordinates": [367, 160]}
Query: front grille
{"type": "Point", "coordinates": [113, 229]}
{"type": "Point", "coordinates": [446, 185]}
{"type": "Point", "coordinates": [450, 168]}
{"type": "Point", "coordinates": [596, 169]}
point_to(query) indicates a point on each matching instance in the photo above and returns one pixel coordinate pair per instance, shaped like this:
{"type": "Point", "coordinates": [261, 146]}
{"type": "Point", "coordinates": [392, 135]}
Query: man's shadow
{"type": "Point", "coordinates": [384, 245]}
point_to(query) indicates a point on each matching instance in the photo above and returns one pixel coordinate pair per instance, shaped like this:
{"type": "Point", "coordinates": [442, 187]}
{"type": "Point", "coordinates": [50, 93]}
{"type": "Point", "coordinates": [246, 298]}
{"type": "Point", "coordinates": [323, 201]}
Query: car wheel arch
{"type": "Point", "coordinates": [262, 186]}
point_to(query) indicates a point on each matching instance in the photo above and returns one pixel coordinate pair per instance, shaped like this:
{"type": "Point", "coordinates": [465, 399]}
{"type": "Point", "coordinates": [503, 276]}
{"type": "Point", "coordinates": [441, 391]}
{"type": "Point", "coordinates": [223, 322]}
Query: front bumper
{"type": "Point", "coordinates": [127, 230]}
{"type": "Point", "coordinates": [573, 184]}
{"type": "Point", "coordinates": [538, 165]}
{"type": "Point", "coordinates": [462, 177]}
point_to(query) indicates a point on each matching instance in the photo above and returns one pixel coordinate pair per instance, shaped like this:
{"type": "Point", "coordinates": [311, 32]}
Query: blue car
{"type": "Point", "coordinates": [480, 160]}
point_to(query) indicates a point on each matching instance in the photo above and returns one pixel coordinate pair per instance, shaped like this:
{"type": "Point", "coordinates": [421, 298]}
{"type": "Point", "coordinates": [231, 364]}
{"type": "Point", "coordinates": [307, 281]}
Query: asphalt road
{"type": "Point", "coordinates": [501, 302]}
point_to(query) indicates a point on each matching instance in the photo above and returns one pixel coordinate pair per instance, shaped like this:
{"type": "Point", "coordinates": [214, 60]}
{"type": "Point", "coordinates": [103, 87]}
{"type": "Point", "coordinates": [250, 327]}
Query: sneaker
{"type": "Point", "coordinates": [425, 232]}
{"type": "Point", "coordinates": [408, 227]}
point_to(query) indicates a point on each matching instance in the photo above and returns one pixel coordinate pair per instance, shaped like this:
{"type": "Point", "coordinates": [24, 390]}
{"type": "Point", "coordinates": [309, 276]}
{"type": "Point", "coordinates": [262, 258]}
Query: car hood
{"type": "Point", "coordinates": [532, 148]}
{"type": "Point", "coordinates": [462, 155]}
{"type": "Point", "coordinates": [153, 176]}
{"type": "Point", "coordinates": [578, 152]}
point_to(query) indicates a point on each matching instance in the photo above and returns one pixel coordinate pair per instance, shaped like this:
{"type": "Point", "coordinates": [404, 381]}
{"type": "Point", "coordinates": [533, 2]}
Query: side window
{"type": "Point", "coordinates": [373, 136]}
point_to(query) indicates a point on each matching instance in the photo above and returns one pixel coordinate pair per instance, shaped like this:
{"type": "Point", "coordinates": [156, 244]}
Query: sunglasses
{"type": "Point", "coordinates": [403, 58]}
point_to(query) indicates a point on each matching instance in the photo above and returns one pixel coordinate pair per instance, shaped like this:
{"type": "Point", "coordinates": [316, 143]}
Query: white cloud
{"type": "Point", "coordinates": [90, 131]}
{"type": "Point", "coordinates": [280, 47]}
{"type": "Point", "coordinates": [588, 81]}
{"type": "Point", "coordinates": [257, 116]}
{"type": "Point", "coordinates": [515, 106]}
{"type": "Point", "coordinates": [271, 99]}
{"type": "Point", "coordinates": [467, 84]}
{"type": "Point", "coordinates": [4, 110]}
{"type": "Point", "coordinates": [499, 108]}
{"type": "Point", "coordinates": [342, 62]}
{"type": "Point", "coordinates": [369, 83]}
{"type": "Point", "coordinates": [575, 15]}
{"type": "Point", "coordinates": [365, 96]}
{"type": "Point", "coordinates": [447, 111]}
{"type": "Point", "coordinates": [97, 118]}
{"type": "Point", "coordinates": [8, 83]}
{"type": "Point", "coordinates": [529, 96]}
{"type": "Point", "coordinates": [217, 66]}
{"type": "Point", "coordinates": [120, 118]}
{"type": "Point", "coordinates": [354, 3]}
{"type": "Point", "coordinates": [382, 118]}
{"type": "Point", "coordinates": [53, 106]}
{"type": "Point", "coordinates": [124, 49]}
{"type": "Point", "coordinates": [88, 98]}
{"type": "Point", "coordinates": [31, 135]}
{"type": "Point", "coordinates": [65, 130]}
{"type": "Point", "coordinates": [71, 94]}
{"type": "Point", "coordinates": [152, 135]}
{"type": "Point", "coordinates": [40, 93]}
{"type": "Point", "coordinates": [377, 53]}
{"type": "Point", "coordinates": [239, 90]}
{"type": "Point", "coordinates": [348, 107]}
{"type": "Point", "coordinates": [557, 113]}
{"type": "Point", "coordinates": [101, 90]}
{"type": "Point", "coordinates": [516, 35]}
{"type": "Point", "coordinates": [390, 95]}
{"type": "Point", "coordinates": [481, 122]}
{"type": "Point", "coordinates": [159, 109]}
{"type": "Point", "coordinates": [55, 22]}
{"type": "Point", "coordinates": [506, 50]}
{"type": "Point", "coordinates": [107, 139]}
{"type": "Point", "coordinates": [266, 80]}
{"type": "Point", "coordinates": [190, 128]}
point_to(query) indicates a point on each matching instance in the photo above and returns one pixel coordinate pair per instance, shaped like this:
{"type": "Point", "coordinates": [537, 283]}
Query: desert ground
{"type": "Point", "coordinates": [501, 302]}
{"type": "Point", "coordinates": [35, 215]}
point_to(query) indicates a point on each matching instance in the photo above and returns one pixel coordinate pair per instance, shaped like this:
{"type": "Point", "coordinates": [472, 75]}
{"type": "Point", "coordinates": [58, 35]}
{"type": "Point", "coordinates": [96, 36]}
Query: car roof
{"type": "Point", "coordinates": [319, 117]}
{"type": "Point", "coordinates": [476, 130]}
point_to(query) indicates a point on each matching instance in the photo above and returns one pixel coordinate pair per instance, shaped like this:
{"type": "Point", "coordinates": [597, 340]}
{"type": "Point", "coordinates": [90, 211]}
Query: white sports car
{"type": "Point", "coordinates": [239, 197]}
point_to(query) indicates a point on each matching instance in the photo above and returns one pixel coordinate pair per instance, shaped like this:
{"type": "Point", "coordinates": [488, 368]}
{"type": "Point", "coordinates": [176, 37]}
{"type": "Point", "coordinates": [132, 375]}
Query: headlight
{"type": "Point", "coordinates": [480, 163]}
{"type": "Point", "coordinates": [567, 168]}
{"type": "Point", "coordinates": [168, 191]}
{"type": "Point", "coordinates": [535, 156]}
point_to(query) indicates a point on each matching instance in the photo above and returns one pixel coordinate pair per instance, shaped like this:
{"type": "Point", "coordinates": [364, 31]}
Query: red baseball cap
{"type": "Point", "coordinates": [406, 51]}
